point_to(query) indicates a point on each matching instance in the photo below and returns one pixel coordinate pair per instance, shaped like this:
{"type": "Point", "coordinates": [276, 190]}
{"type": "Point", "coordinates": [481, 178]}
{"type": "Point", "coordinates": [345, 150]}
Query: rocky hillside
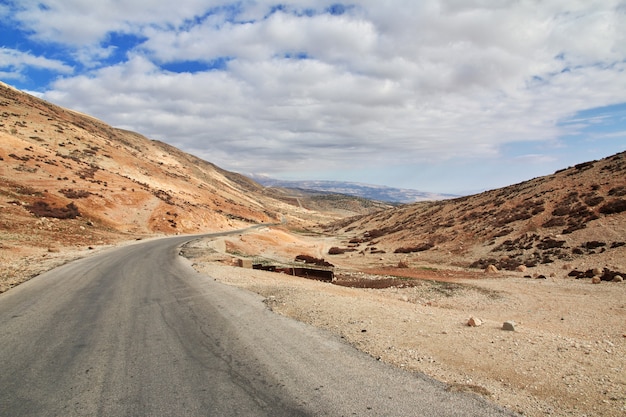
{"type": "Point", "coordinates": [576, 215]}
{"type": "Point", "coordinates": [68, 179]}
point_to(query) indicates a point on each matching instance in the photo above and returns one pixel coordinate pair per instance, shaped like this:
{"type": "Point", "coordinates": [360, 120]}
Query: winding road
{"type": "Point", "coordinates": [135, 331]}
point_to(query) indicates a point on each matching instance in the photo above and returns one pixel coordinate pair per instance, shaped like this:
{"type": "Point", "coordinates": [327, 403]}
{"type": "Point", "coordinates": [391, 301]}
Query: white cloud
{"type": "Point", "coordinates": [14, 62]}
{"type": "Point", "coordinates": [395, 82]}
{"type": "Point", "coordinates": [85, 22]}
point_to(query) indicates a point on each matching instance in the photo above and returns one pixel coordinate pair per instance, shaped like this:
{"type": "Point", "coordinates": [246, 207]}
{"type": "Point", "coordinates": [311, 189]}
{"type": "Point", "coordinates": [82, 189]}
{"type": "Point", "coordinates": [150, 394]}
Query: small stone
{"type": "Point", "coordinates": [617, 278]}
{"type": "Point", "coordinates": [597, 271]}
{"type": "Point", "coordinates": [491, 269]}
{"type": "Point", "coordinates": [521, 268]}
{"type": "Point", "coordinates": [474, 322]}
{"type": "Point", "coordinates": [596, 280]}
{"type": "Point", "coordinates": [509, 326]}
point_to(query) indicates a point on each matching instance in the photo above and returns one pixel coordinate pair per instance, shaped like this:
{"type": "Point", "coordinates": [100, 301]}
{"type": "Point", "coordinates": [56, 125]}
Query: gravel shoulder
{"type": "Point", "coordinates": [566, 357]}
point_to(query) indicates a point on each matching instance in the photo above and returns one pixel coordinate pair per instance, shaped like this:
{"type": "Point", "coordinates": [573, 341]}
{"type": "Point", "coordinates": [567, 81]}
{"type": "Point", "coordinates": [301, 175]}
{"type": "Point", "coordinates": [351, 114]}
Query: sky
{"type": "Point", "coordinates": [449, 96]}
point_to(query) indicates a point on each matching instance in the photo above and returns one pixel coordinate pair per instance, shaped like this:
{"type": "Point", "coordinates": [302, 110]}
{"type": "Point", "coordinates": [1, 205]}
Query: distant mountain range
{"type": "Point", "coordinates": [369, 191]}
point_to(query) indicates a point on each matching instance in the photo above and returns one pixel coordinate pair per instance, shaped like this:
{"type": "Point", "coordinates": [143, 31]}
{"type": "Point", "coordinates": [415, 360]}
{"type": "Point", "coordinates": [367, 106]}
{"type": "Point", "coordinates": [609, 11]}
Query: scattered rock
{"type": "Point", "coordinates": [491, 269]}
{"type": "Point", "coordinates": [596, 280]}
{"type": "Point", "coordinates": [605, 274]}
{"type": "Point", "coordinates": [53, 249]}
{"type": "Point", "coordinates": [509, 326]}
{"type": "Point", "coordinates": [617, 278]}
{"type": "Point", "coordinates": [608, 275]}
{"type": "Point", "coordinates": [474, 322]}
{"type": "Point", "coordinates": [521, 268]}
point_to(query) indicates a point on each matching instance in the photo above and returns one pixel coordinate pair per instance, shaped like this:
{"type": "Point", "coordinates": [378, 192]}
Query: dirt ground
{"type": "Point", "coordinates": [566, 356]}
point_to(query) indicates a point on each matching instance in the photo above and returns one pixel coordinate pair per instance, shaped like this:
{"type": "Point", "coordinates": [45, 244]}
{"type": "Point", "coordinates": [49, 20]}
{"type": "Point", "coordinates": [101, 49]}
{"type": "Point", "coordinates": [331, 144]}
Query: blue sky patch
{"type": "Point", "coordinates": [218, 64]}
{"type": "Point", "coordinates": [121, 43]}
{"type": "Point", "coordinates": [337, 9]}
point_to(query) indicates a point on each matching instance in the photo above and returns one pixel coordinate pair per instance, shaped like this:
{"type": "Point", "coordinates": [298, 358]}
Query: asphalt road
{"type": "Point", "coordinates": [135, 331]}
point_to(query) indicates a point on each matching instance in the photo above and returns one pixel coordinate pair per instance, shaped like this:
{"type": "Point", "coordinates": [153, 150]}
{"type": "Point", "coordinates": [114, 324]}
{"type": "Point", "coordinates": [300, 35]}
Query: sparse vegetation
{"type": "Point", "coordinates": [307, 259]}
{"type": "Point", "coordinates": [340, 251]}
{"type": "Point", "coordinates": [419, 248]}
{"type": "Point", "coordinates": [613, 207]}
{"type": "Point", "coordinates": [74, 194]}
{"type": "Point", "coordinates": [43, 209]}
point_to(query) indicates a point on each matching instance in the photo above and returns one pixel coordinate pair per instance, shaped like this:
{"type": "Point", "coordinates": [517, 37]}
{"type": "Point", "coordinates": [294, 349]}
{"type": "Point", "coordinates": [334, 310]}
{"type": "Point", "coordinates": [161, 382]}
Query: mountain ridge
{"type": "Point", "coordinates": [370, 191]}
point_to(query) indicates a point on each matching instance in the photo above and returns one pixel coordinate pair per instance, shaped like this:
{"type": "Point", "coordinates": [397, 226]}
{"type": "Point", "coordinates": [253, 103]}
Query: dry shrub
{"type": "Point", "coordinates": [307, 259]}
{"type": "Point", "coordinates": [612, 207]}
{"type": "Point", "coordinates": [74, 194]}
{"type": "Point", "coordinates": [339, 251]}
{"type": "Point", "coordinates": [43, 209]}
{"type": "Point", "coordinates": [419, 248]}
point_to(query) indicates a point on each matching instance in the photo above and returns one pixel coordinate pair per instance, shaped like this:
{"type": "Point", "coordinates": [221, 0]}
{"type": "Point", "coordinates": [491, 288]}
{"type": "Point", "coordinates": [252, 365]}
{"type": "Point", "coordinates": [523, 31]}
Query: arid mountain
{"type": "Point", "coordinates": [320, 201]}
{"type": "Point", "coordinates": [577, 213]}
{"type": "Point", "coordinates": [68, 179]}
{"type": "Point", "coordinates": [367, 191]}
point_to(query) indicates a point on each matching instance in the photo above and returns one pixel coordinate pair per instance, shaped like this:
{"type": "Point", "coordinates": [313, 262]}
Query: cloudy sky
{"type": "Point", "coordinates": [436, 95]}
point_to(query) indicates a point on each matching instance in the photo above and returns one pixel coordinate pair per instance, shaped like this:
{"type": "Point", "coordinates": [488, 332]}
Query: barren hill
{"type": "Point", "coordinates": [576, 214]}
{"type": "Point", "coordinates": [70, 180]}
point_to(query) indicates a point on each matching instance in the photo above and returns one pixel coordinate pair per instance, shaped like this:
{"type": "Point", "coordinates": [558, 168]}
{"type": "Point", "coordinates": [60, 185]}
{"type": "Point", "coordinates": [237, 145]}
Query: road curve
{"type": "Point", "coordinates": [135, 331]}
